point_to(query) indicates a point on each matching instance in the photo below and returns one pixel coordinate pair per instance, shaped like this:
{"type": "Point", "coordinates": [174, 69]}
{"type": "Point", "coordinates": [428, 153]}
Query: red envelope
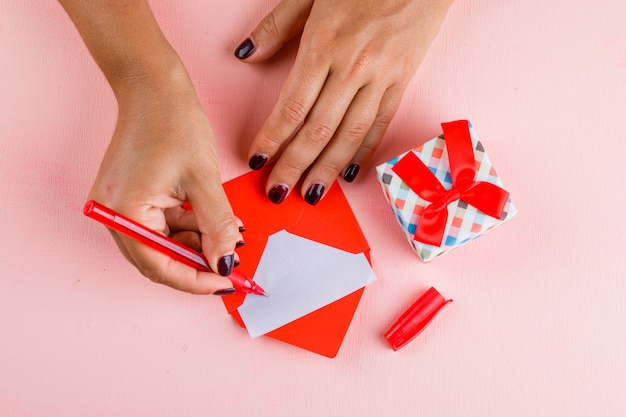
{"type": "Point", "coordinates": [330, 222]}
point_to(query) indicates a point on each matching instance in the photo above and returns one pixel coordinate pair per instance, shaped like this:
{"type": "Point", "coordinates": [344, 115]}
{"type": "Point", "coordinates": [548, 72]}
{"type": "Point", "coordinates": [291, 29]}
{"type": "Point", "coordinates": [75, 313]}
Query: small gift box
{"type": "Point", "coordinates": [445, 192]}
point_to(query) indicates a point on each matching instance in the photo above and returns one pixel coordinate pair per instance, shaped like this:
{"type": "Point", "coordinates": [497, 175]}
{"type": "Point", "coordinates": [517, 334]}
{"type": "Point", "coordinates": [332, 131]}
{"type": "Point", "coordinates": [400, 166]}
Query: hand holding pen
{"type": "Point", "coordinates": [166, 246]}
{"type": "Point", "coordinates": [162, 151]}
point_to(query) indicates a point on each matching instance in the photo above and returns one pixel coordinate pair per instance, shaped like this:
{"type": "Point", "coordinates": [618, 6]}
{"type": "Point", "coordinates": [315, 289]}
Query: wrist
{"type": "Point", "coordinates": [161, 79]}
{"type": "Point", "coordinates": [129, 47]}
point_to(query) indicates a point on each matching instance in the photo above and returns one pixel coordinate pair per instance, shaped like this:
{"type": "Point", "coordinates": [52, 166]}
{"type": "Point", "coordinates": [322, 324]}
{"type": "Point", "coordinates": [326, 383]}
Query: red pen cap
{"type": "Point", "coordinates": [415, 319]}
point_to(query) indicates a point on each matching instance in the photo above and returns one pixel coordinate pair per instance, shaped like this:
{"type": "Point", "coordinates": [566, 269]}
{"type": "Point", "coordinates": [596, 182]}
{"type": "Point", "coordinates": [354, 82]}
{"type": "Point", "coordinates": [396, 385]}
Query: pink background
{"type": "Point", "coordinates": [536, 328]}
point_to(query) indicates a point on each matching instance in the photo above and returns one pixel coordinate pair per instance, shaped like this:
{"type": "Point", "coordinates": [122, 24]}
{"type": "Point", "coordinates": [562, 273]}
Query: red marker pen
{"type": "Point", "coordinates": [163, 244]}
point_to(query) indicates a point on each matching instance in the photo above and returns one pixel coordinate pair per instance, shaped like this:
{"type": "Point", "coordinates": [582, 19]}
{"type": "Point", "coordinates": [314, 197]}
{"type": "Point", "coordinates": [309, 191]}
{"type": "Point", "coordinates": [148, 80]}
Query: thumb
{"type": "Point", "coordinates": [277, 28]}
{"type": "Point", "coordinates": [216, 222]}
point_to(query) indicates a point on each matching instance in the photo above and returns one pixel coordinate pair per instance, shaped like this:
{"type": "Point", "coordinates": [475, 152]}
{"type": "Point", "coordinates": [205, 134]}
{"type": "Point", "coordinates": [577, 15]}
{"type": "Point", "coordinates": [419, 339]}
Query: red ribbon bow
{"type": "Point", "coordinates": [486, 197]}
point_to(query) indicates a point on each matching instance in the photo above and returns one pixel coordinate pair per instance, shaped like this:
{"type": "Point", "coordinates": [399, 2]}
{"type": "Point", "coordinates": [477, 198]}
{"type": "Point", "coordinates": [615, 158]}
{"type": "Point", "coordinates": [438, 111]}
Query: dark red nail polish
{"type": "Point", "coordinates": [277, 193]}
{"type": "Point", "coordinates": [314, 193]}
{"type": "Point", "coordinates": [227, 291]}
{"type": "Point", "coordinates": [350, 174]}
{"type": "Point", "coordinates": [225, 265]}
{"type": "Point", "coordinates": [242, 229]}
{"type": "Point", "coordinates": [245, 49]}
{"type": "Point", "coordinates": [239, 244]}
{"type": "Point", "coordinates": [237, 263]}
{"type": "Point", "coordinates": [257, 161]}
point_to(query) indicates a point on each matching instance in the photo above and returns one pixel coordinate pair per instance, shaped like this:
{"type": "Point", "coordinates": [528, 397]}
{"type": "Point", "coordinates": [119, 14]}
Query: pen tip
{"type": "Point", "coordinates": [265, 294]}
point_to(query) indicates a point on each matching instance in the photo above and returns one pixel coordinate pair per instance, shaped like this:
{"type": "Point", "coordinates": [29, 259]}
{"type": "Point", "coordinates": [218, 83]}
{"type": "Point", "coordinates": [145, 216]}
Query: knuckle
{"type": "Point", "coordinates": [361, 63]}
{"type": "Point", "coordinates": [291, 170]}
{"type": "Point", "coordinates": [225, 229]}
{"type": "Point", "coordinates": [356, 132]}
{"type": "Point", "coordinates": [270, 143]}
{"type": "Point", "coordinates": [369, 148]}
{"type": "Point", "coordinates": [269, 26]}
{"type": "Point", "coordinates": [293, 111]}
{"type": "Point", "coordinates": [328, 171]}
{"type": "Point", "coordinates": [319, 134]}
{"type": "Point", "coordinates": [153, 275]}
{"type": "Point", "coordinates": [382, 120]}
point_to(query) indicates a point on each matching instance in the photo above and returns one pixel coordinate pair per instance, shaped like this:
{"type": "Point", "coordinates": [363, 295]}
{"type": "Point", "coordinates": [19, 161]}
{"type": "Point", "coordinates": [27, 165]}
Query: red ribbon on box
{"type": "Point", "coordinates": [486, 197]}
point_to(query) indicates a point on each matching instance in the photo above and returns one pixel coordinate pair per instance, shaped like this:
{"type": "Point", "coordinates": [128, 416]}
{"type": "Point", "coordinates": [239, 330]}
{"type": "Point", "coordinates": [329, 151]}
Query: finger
{"type": "Point", "coordinates": [162, 269]}
{"type": "Point", "coordinates": [388, 107]}
{"type": "Point", "coordinates": [184, 228]}
{"type": "Point", "coordinates": [188, 238]}
{"type": "Point", "coordinates": [215, 219]}
{"type": "Point", "coordinates": [303, 85]}
{"type": "Point", "coordinates": [277, 28]}
{"type": "Point", "coordinates": [312, 138]}
{"type": "Point", "coordinates": [193, 240]}
{"type": "Point", "coordinates": [242, 227]}
{"type": "Point", "coordinates": [348, 138]}
{"type": "Point", "coordinates": [179, 219]}
{"type": "Point", "coordinates": [182, 218]}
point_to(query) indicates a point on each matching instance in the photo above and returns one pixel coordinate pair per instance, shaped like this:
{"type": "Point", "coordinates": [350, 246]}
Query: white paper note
{"type": "Point", "coordinates": [300, 276]}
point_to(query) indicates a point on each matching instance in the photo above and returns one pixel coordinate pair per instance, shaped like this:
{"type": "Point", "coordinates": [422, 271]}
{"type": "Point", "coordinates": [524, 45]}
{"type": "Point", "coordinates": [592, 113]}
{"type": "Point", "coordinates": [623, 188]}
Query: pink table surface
{"type": "Point", "coordinates": [537, 325]}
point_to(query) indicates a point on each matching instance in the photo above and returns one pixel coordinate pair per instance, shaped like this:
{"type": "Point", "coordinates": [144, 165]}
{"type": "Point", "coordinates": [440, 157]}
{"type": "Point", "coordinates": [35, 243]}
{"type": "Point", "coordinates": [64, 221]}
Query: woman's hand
{"type": "Point", "coordinates": [163, 149]}
{"type": "Point", "coordinates": [354, 62]}
{"type": "Point", "coordinates": [161, 155]}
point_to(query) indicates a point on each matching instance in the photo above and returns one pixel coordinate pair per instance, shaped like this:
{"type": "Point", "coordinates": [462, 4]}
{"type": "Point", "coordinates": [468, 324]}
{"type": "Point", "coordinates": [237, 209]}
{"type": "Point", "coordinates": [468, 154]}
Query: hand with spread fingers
{"type": "Point", "coordinates": [354, 62]}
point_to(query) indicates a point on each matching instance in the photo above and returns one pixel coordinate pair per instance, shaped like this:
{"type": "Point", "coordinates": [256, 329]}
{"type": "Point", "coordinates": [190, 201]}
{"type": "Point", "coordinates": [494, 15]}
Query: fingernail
{"type": "Point", "coordinates": [277, 193]}
{"type": "Point", "coordinates": [245, 49]}
{"type": "Point", "coordinates": [227, 291]}
{"type": "Point", "coordinates": [225, 265]}
{"type": "Point", "coordinates": [350, 174]}
{"type": "Point", "coordinates": [239, 244]}
{"type": "Point", "coordinates": [242, 229]}
{"type": "Point", "coordinates": [314, 193]}
{"type": "Point", "coordinates": [237, 263]}
{"type": "Point", "coordinates": [257, 161]}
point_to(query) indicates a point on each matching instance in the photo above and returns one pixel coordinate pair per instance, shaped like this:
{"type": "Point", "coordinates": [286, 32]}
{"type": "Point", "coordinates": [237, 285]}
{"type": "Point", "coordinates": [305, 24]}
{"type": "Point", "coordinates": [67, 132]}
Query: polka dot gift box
{"type": "Point", "coordinates": [445, 192]}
